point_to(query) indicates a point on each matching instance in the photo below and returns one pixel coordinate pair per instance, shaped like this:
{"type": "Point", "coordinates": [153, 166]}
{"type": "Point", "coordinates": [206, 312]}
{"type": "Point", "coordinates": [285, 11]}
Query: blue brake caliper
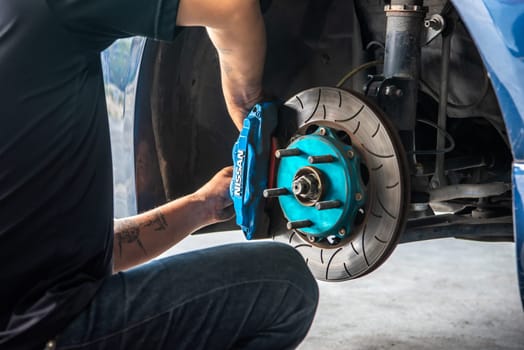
{"type": "Point", "coordinates": [251, 154]}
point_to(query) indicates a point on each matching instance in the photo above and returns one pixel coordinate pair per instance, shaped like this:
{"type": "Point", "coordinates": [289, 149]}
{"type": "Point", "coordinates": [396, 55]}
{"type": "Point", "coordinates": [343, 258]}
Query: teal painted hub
{"type": "Point", "coordinates": [323, 183]}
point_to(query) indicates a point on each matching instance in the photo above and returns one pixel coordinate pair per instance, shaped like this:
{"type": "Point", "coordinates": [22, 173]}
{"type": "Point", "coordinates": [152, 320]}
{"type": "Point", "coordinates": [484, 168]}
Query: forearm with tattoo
{"type": "Point", "coordinates": [142, 237]}
{"type": "Point", "coordinates": [127, 231]}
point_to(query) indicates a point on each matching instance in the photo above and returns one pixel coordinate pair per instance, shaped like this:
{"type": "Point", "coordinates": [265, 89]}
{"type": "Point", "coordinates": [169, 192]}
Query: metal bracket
{"type": "Point", "coordinates": [391, 93]}
{"type": "Point", "coordinates": [435, 25]}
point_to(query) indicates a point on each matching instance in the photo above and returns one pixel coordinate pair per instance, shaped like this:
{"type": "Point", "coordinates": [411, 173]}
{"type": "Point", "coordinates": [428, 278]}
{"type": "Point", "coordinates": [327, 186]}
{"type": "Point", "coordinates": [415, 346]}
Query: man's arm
{"type": "Point", "coordinates": [145, 236]}
{"type": "Point", "coordinates": [236, 28]}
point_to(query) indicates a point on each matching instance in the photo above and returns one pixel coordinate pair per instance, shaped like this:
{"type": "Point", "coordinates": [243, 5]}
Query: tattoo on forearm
{"type": "Point", "coordinates": [158, 222]}
{"type": "Point", "coordinates": [128, 231]}
{"type": "Point", "coordinates": [227, 69]}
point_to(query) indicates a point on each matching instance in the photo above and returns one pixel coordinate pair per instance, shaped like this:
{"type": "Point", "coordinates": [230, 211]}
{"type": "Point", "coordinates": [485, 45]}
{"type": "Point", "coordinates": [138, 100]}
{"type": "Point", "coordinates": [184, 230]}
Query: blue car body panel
{"type": "Point", "coordinates": [518, 208]}
{"type": "Point", "coordinates": [497, 27]}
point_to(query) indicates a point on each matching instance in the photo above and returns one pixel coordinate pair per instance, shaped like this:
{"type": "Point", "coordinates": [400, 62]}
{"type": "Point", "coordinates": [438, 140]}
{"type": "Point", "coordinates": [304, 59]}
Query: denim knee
{"type": "Point", "coordinates": [287, 263]}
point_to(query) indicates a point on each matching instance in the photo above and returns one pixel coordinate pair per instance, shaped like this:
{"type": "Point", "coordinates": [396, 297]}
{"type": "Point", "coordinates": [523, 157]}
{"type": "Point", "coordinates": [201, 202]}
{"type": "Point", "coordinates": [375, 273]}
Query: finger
{"type": "Point", "coordinates": [228, 171]}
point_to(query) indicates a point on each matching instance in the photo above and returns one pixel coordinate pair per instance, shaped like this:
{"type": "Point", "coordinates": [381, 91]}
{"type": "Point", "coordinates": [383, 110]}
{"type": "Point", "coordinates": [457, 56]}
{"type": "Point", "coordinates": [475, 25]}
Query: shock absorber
{"type": "Point", "coordinates": [396, 89]}
{"type": "Point", "coordinates": [403, 38]}
{"type": "Point", "coordinates": [397, 92]}
{"type": "Point", "coordinates": [405, 19]}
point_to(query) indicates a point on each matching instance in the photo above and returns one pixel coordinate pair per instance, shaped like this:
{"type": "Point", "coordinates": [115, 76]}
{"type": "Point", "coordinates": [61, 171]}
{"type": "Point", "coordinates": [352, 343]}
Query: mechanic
{"type": "Point", "coordinates": [60, 250]}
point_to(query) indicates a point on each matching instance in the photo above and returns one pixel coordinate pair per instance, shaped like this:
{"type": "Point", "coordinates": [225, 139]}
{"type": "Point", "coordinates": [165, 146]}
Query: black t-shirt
{"type": "Point", "coordinates": [56, 204]}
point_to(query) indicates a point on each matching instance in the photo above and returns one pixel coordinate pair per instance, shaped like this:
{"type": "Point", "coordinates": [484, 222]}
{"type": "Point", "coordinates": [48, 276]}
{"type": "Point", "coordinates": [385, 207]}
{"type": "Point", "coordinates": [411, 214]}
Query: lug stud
{"type": "Point", "coordinates": [350, 154]}
{"type": "Point", "coordinates": [274, 192]}
{"type": "Point", "coordinates": [342, 231]}
{"type": "Point", "coordinates": [327, 205]}
{"type": "Point", "coordinates": [287, 152]}
{"type": "Point", "coordinates": [322, 131]}
{"type": "Point", "coordinates": [291, 225]}
{"type": "Point", "coordinates": [311, 238]}
{"type": "Point", "coordinates": [358, 197]}
{"type": "Point", "coordinates": [328, 158]}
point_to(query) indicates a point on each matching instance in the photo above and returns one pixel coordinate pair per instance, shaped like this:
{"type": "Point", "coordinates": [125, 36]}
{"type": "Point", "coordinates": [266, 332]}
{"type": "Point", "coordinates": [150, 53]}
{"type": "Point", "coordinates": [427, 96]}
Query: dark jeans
{"type": "Point", "coordinates": [239, 296]}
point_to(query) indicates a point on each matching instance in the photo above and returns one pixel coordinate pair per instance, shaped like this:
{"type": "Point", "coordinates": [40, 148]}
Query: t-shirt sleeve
{"type": "Point", "coordinates": [113, 19]}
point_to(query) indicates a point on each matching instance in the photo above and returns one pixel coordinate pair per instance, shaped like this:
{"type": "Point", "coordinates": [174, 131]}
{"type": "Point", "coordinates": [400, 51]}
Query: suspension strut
{"type": "Point", "coordinates": [405, 20]}
{"type": "Point", "coordinates": [396, 89]}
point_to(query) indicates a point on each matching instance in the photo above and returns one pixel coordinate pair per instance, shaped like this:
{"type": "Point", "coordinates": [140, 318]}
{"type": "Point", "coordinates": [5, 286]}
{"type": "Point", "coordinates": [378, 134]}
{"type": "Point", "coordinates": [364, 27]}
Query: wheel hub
{"type": "Point", "coordinates": [324, 190]}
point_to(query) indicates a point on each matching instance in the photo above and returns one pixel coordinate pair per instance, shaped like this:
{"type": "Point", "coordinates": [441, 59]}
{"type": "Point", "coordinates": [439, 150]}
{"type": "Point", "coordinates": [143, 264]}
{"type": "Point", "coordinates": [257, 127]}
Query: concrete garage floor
{"type": "Point", "coordinates": [441, 294]}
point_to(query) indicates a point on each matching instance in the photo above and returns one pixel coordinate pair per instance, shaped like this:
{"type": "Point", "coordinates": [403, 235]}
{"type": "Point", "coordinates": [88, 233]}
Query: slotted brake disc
{"type": "Point", "coordinates": [342, 184]}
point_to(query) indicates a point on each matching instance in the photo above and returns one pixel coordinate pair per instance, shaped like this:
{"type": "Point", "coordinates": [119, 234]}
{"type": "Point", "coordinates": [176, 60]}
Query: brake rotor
{"type": "Point", "coordinates": [343, 184]}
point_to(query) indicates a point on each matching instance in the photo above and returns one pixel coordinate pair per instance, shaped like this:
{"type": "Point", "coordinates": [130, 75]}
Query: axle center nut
{"type": "Point", "coordinates": [302, 186]}
{"type": "Point", "coordinates": [307, 186]}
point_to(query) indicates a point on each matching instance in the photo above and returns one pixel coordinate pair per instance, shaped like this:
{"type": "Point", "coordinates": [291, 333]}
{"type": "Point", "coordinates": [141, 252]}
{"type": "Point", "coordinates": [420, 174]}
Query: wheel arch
{"type": "Point", "coordinates": [496, 27]}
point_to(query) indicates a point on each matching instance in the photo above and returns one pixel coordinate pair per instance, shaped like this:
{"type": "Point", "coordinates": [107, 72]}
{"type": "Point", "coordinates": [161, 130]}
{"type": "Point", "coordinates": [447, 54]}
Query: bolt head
{"type": "Point", "coordinates": [311, 238]}
{"type": "Point", "coordinates": [358, 197]}
{"type": "Point", "coordinates": [322, 131]}
{"type": "Point", "coordinates": [342, 231]}
{"type": "Point", "coordinates": [392, 90]}
{"type": "Point", "coordinates": [350, 154]}
{"type": "Point", "coordinates": [419, 169]}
